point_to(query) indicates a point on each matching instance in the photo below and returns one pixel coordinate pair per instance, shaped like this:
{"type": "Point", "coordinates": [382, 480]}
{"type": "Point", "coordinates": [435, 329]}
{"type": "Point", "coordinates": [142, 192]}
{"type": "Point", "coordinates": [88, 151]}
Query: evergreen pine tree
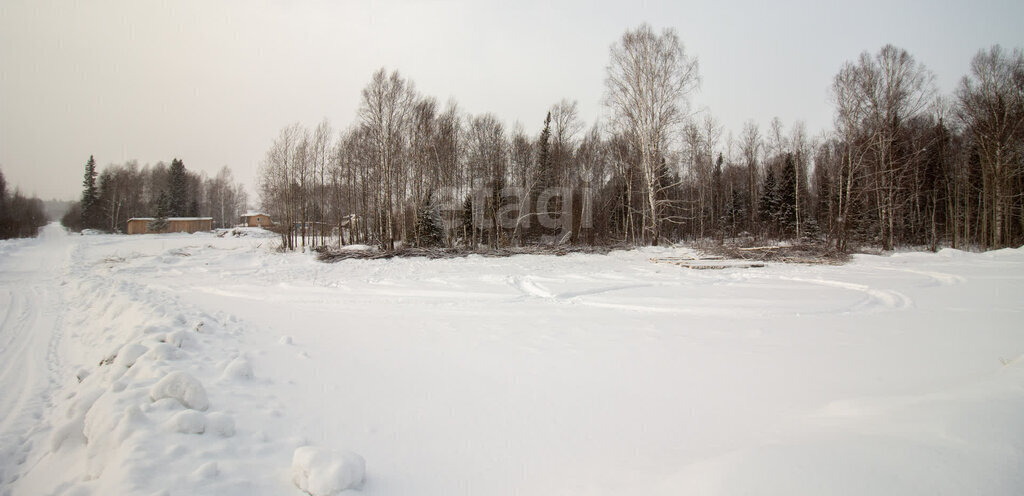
{"type": "Point", "coordinates": [785, 212]}
{"type": "Point", "coordinates": [545, 178]}
{"type": "Point", "coordinates": [4, 213]}
{"type": "Point", "coordinates": [544, 168]}
{"type": "Point", "coordinates": [735, 210]}
{"type": "Point", "coordinates": [468, 231]}
{"type": "Point", "coordinates": [769, 202]}
{"type": "Point", "coordinates": [178, 189]}
{"type": "Point", "coordinates": [159, 224]}
{"type": "Point", "coordinates": [90, 197]}
{"type": "Point", "coordinates": [429, 229]}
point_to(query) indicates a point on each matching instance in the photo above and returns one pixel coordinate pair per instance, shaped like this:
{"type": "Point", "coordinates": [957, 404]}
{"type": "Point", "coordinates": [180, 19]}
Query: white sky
{"type": "Point", "coordinates": [214, 82]}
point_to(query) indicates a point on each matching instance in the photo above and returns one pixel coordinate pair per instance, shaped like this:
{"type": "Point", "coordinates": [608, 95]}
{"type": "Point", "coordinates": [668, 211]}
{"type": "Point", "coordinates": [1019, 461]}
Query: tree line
{"type": "Point", "coordinates": [123, 191]}
{"type": "Point", "coordinates": [903, 165]}
{"type": "Point", "coordinates": [20, 216]}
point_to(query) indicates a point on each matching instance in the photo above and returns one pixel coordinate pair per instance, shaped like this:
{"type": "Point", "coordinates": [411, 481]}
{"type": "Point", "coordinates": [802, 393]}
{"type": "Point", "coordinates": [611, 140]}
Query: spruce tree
{"type": "Point", "coordinates": [178, 189]}
{"type": "Point", "coordinates": [735, 210]}
{"type": "Point", "coordinates": [544, 178]}
{"type": "Point", "coordinates": [545, 171]}
{"type": "Point", "coordinates": [429, 229]}
{"type": "Point", "coordinates": [785, 212]}
{"type": "Point", "coordinates": [159, 224]}
{"type": "Point", "coordinates": [769, 203]}
{"type": "Point", "coordinates": [90, 197]}
{"type": "Point", "coordinates": [468, 229]}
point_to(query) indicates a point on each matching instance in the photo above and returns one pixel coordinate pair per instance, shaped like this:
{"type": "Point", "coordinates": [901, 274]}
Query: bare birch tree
{"type": "Point", "coordinates": [991, 107]}
{"type": "Point", "coordinates": [649, 81]}
{"type": "Point", "coordinates": [385, 106]}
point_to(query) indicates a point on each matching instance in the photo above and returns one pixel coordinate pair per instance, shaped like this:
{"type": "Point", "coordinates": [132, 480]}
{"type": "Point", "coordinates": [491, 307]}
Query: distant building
{"type": "Point", "coordinates": [141, 225]}
{"type": "Point", "coordinates": [256, 219]}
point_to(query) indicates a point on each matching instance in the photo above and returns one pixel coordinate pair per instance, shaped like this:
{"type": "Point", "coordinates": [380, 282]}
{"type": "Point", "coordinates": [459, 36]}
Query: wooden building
{"type": "Point", "coordinates": [143, 225]}
{"type": "Point", "coordinates": [256, 219]}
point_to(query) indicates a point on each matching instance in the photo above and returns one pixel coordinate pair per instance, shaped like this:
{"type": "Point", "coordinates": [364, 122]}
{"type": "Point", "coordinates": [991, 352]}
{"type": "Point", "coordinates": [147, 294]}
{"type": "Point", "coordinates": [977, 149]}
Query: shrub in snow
{"type": "Point", "coordinates": [182, 387]}
{"type": "Point", "coordinates": [188, 422]}
{"type": "Point", "coordinates": [323, 472]}
{"type": "Point", "coordinates": [220, 424]}
{"type": "Point", "coordinates": [239, 368]}
{"type": "Point", "coordinates": [128, 353]}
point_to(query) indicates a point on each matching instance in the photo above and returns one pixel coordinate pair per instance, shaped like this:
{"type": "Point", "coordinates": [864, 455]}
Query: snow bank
{"type": "Point", "coordinates": [323, 472]}
{"type": "Point", "coordinates": [182, 387]}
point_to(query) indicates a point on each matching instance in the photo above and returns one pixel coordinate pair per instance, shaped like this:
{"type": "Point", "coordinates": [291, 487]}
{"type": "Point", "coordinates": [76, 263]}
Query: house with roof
{"type": "Point", "coordinates": [256, 219]}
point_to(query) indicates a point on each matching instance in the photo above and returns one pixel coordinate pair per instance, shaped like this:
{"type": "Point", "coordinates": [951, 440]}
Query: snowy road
{"type": "Point", "coordinates": [526, 375]}
{"type": "Point", "coordinates": [31, 273]}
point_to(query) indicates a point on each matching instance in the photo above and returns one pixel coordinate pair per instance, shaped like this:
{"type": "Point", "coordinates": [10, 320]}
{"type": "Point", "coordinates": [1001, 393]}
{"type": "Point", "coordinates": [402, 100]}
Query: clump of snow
{"type": "Point", "coordinates": [358, 248]}
{"type": "Point", "coordinates": [285, 340]}
{"type": "Point", "coordinates": [207, 470]}
{"type": "Point", "coordinates": [323, 472]}
{"type": "Point", "coordinates": [188, 422]}
{"type": "Point", "coordinates": [180, 338]}
{"type": "Point", "coordinates": [239, 368]}
{"type": "Point", "coordinates": [162, 351]}
{"type": "Point", "coordinates": [221, 424]}
{"type": "Point", "coordinates": [128, 353]}
{"type": "Point", "coordinates": [182, 387]}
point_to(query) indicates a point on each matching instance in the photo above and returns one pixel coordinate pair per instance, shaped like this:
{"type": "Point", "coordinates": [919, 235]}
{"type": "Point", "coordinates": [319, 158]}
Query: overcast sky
{"type": "Point", "coordinates": [213, 82]}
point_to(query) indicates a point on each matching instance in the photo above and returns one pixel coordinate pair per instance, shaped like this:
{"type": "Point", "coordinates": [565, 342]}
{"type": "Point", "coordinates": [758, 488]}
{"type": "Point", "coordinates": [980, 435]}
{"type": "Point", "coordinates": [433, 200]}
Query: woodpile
{"type": "Point", "coordinates": [706, 263]}
{"type": "Point", "coordinates": [335, 255]}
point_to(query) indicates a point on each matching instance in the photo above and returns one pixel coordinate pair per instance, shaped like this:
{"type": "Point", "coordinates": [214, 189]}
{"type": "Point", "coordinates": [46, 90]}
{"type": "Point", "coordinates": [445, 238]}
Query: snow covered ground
{"type": "Point", "coordinates": [196, 364]}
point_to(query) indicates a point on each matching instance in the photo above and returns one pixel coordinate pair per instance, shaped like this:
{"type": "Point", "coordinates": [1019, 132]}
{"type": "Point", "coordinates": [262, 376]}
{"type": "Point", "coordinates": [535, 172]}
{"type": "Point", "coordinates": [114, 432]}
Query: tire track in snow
{"type": "Point", "coordinates": [940, 278]}
{"type": "Point", "coordinates": [886, 298]}
{"type": "Point", "coordinates": [32, 328]}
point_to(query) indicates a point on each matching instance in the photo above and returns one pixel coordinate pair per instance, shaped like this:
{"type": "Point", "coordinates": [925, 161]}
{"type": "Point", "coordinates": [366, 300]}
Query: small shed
{"type": "Point", "coordinates": [143, 225]}
{"type": "Point", "coordinates": [256, 219]}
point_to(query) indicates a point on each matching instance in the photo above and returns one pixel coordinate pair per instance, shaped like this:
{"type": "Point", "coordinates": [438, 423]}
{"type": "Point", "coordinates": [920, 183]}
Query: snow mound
{"type": "Point", "coordinates": [182, 387]}
{"type": "Point", "coordinates": [70, 431]}
{"type": "Point", "coordinates": [128, 353]}
{"type": "Point", "coordinates": [323, 472]}
{"type": "Point", "coordinates": [206, 471]}
{"type": "Point", "coordinates": [180, 338]}
{"type": "Point", "coordinates": [221, 424]}
{"type": "Point", "coordinates": [162, 352]}
{"type": "Point", "coordinates": [239, 368]}
{"type": "Point", "coordinates": [188, 422]}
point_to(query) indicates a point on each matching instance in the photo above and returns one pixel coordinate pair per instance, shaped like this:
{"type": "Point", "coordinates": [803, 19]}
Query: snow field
{"type": "Point", "coordinates": [580, 374]}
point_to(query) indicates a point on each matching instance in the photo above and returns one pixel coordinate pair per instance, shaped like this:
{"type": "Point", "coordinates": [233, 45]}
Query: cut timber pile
{"type": "Point", "coordinates": [706, 263]}
{"type": "Point", "coordinates": [804, 253]}
{"type": "Point", "coordinates": [331, 255]}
